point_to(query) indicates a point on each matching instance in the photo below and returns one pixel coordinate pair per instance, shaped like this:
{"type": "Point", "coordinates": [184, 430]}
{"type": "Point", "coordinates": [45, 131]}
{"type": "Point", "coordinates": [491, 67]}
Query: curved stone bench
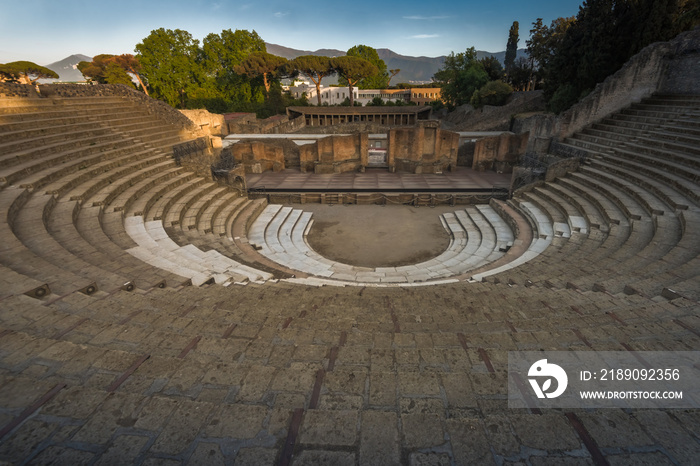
{"type": "Point", "coordinates": [478, 236]}
{"type": "Point", "coordinates": [159, 250]}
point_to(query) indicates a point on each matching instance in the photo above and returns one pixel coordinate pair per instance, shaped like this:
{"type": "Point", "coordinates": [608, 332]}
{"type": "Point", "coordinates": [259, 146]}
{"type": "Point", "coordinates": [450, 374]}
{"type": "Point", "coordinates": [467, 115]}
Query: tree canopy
{"type": "Point", "coordinates": [574, 54]}
{"type": "Point", "coordinates": [261, 64]}
{"type": "Point", "coordinates": [460, 76]}
{"type": "Point", "coordinates": [222, 53]}
{"type": "Point", "coordinates": [113, 69]}
{"type": "Point", "coordinates": [314, 67]}
{"type": "Point", "coordinates": [169, 60]}
{"type": "Point", "coordinates": [353, 70]}
{"type": "Point", "coordinates": [492, 67]}
{"type": "Point", "coordinates": [229, 72]}
{"type": "Point", "coordinates": [25, 72]}
{"type": "Point", "coordinates": [377, 80]}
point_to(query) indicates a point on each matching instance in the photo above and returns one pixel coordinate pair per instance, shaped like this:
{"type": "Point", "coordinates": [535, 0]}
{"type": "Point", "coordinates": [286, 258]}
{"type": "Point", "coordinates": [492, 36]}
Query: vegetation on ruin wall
{"type": "Point", "coordinates": [572, 55]}
{"type": "Point", "coordinates": [568, 58]}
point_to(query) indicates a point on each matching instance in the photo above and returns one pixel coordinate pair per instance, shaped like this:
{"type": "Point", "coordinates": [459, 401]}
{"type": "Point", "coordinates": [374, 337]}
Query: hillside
{"type": "Point", "coordinates": [413, 69]}
{"type": "Point", "coordinates": [67, 69]}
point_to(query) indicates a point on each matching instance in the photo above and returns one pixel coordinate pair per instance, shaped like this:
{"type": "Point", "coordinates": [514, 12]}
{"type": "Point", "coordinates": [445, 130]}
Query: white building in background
{"type": "Point", "coordinates": [337, 95]}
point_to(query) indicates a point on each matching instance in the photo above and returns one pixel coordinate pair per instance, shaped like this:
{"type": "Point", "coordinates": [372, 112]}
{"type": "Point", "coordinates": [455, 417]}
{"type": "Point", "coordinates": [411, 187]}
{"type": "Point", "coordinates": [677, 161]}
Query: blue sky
{"type": "Point", "coordinates": [47, 31]}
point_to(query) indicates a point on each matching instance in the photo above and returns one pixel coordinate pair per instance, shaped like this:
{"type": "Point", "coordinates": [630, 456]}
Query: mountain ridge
{"type": "Point", "coordinates": [67, 69]}
{"type": "Point", "coordinates": [413, 69]}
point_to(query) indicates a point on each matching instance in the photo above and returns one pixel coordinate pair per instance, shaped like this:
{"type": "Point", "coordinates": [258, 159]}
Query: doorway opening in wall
{"type": "Point", "coordinates": [377, 152]}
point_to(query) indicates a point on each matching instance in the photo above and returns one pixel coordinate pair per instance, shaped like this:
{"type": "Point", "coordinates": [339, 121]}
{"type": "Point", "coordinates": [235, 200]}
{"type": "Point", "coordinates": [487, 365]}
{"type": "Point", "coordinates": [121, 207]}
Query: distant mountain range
{"type": "Point", "coordinates": [67, 69]}
{"type": "Point", "coordinates": [413, 69]}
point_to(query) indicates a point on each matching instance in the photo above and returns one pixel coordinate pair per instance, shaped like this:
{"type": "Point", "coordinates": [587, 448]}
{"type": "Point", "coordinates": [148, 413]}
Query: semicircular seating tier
{"type": "Point", "coordinates": [109, 355]}
{"type": "Point", "coordinates": [479, 236]}
{"type": "Point", "coordinates": [93, 201]}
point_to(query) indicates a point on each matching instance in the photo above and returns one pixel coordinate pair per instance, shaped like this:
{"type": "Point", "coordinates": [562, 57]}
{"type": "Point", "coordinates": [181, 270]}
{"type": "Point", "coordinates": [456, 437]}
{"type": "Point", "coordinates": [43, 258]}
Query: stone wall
{"type": "Point", "coordinates": [493, 118]}
{"type": "Point", "coordinates": [258, 157]}
{"type": "Point", "coordinates": [416, 150]}
{"type": "Point", "coordinates": [560, 168]}
{"type": "Point", "coordinates": [18, 90]}
{"type": "Point", "coordinates": [500, 153]}
{"type": "Point", "coordinates": [682, 65]}
{"type": "Point", "coordinates": [422, 149]}
{"type": "Point", "coordinates": [278, 124]}
{"type": "Point", "coordinates": [335, 154]}
{"type": "Point", "coordinates": [210, 123]}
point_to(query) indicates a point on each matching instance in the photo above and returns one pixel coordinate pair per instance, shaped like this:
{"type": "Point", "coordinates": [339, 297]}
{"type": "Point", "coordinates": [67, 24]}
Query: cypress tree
{"type": "Point", "coordinates": [511, 47]}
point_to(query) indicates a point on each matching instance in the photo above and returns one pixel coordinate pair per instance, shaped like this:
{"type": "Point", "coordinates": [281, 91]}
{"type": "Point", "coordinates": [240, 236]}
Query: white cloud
{"type": "Point", "coordinates": [425, 18]}
{"type": "Point", "coordinates": [424, 36]}
{"type": "Point", "coordinates": [280, 14]}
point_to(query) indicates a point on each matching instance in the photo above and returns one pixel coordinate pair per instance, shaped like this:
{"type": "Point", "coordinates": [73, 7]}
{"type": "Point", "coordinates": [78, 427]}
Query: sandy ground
{"type": "Point", "coordinates": [377, 236]}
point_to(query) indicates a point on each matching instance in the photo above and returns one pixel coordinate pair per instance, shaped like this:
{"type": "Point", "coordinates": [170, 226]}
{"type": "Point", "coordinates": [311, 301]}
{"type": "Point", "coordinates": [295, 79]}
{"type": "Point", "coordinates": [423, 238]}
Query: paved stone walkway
{"type": "Point", "coordinates": [282, 374]}
{"type": "Point", "coordinates": [376, 178]}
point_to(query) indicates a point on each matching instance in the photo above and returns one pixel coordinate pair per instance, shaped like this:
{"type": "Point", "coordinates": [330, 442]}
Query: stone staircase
{"type": "Point", "coordinates": [638, 195]}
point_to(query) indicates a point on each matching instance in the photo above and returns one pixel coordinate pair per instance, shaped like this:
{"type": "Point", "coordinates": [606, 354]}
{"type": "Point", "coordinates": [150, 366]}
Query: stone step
{"type": "Point", "coordinates": [610, 212]}
{"type": "Point", "coordinates": [93, 230]}
{"type": "Point", "coordinates": [677, 153]}
{"type": "Point", "coordinates": [79, 158]}
{"type": "Point", "coordinates": [591, 213]}
{"type": "Point", "coordinates": [194, 213]}
{"type": "Point", "coordinates": [575, 218]}
{"type": "Point", "coordinates": [139, 183]}
{"type": "Point", "coordinates": [66, 231]}
{"type": "Point", "coordinates": [631, 208]}
{"type": "Point", "coordinates": [652, 204]}
{"type": "Point", "coordinates": [160, 187]}
{"type": "Point", "coordinates": [560, 225]}
{"type": "Point", "coordinates": [175, 215]}
{"type": "Point", "coordinates": [478, 236]}
{"type": "Point", "coordinates": [224, 218]}
{"type": "Point", "coordinates": [540, 241]}
{"type": "Point", "coordinates": [637, 163]}
{"type": "Point", "coordinates": [159, 209]}
{"type": "Point", "coordinates": [208, 216]}
{"type": "Point", "coordinates": [24, 149]}
{"type": "Point", "coordinates": [17, 256]}
{"type": "Point", "coordinates": [158, 249]}
{"type": "Point", "coordinates": [30, 227]}
{"type": "Point", "coordinates": [676, 99]}
{"type": "Point", "coordinates": [661, 190]}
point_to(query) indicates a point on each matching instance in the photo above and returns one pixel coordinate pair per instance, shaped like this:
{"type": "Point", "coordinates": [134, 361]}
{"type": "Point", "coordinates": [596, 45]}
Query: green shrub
{"type": "Point", "coordinates": [492, 93]}
{"type": "Point", "coordinates": [564, 97]}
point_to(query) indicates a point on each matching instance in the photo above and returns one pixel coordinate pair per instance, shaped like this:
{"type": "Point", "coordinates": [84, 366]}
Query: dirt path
{"type": "Point", "coordinates": [377, 236]}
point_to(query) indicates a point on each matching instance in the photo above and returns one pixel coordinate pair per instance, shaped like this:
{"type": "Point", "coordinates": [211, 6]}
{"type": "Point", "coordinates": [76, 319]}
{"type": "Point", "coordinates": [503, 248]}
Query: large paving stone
{"type": "Point", "coordinates": [322, 427]}
{"type": "Point", "coordinates": [182, 427]}
{"type": "Point", "coordinates": [379, 438]}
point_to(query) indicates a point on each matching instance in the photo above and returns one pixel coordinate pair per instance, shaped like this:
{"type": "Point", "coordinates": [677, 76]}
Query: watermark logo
{"type": "Point", "coordinates": [604, 379]}
{"type": "Point", "coordinates": [545, 371]}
